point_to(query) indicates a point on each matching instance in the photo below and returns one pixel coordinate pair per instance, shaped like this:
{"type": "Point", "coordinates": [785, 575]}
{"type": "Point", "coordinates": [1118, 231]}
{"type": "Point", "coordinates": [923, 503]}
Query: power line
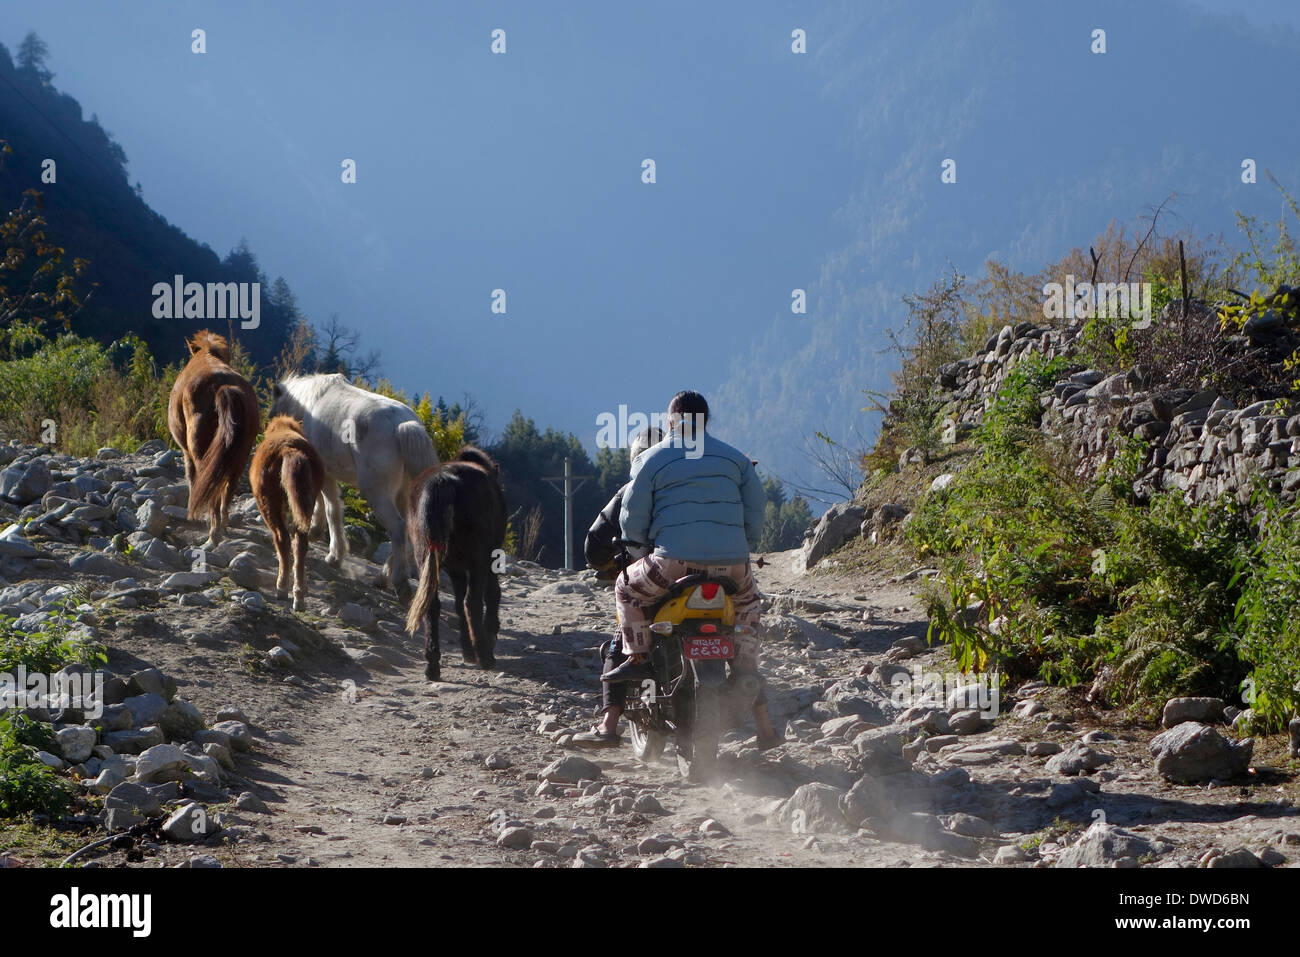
{"type": "Point", "coordinates": [58, 129]}
{"type": "Point", "coordinates": [567, 490]}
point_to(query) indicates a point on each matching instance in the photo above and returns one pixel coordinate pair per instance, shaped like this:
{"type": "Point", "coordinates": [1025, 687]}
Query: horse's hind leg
{"type": "Point", "coordinates": [318, 523]}
{"type": "Point", "coordinates": [395, 569]}
{"type": "Point", "coordinates": [189, 468]}
{"type": "Point", "coordinates": [280, 536]}
{"type": "Point", "coordinates": [217, 521]}
{"type": "Point", "coordinates": [284, 558]}
{"type": "Point", "coordinates": [474, 611]}
{"type": "Point", "coordinates": [432, 648]}
{"type": "Point", "coordinates": [491, 617]}
{"type": "Point", "coordinates": [334, 515]}
{"type": "Point", "coordinates": [227, 498]}
{"type": "Point", "coordinates": [214, 528]}
{"type": "Point", "coordinates": [301, 542]}
{"type": "Point", "coordinates": [459, 584]}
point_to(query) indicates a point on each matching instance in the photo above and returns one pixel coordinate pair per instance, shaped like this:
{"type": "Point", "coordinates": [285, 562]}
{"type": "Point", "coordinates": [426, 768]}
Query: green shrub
{"type": "Point", "coordinates": [28, 786]}
{"type": "Point", "coordinates": [1045, 573]}
{"type": "Point", "coordinates": [50, 647]}
{"type": "Point", "coordinates": [56, 374]}
{"type": "Point", "coordinates": [94, 395]}
{"type": "Point", "coordinates": [1265, 619]}
{"type": "Point", "coordinates": [1011, 422]}
{"type": "Point", "coordinates": [1170, 631]}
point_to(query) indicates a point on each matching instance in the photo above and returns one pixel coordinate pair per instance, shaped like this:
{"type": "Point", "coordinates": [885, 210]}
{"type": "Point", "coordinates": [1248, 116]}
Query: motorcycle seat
{"type": "Point", "coordinates": [690, 581]}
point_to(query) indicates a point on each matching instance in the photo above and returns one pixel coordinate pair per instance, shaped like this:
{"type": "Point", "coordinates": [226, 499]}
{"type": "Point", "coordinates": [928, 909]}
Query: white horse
{"type": "Point", "coordinates": [368, 440]}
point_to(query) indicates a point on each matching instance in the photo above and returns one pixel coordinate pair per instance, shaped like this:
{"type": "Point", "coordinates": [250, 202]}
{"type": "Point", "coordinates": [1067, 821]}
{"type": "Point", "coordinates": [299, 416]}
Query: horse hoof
{"type": "Point", "coordinates": [299, 604]}
{"type": "Point", "coordinates": [487, 664]}
{"type": "Point", "coordinates": [470, 660]}
{"type": "Point", "coordinates": [333, 561]}
{"type": "Point", "coordinates": [281, 594]}
{"type": "Point", "coordinates": [433, 672]}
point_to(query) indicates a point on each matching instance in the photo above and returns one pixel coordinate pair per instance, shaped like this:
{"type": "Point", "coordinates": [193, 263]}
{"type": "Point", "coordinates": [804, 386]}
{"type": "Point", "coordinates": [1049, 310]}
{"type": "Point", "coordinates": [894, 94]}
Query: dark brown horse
{"type": "Point", "coordinates": [213, 417]}
{"type": "Point", "coordinates": [457, 521]}
{"type": "Point", "coordinates": [287, 474]}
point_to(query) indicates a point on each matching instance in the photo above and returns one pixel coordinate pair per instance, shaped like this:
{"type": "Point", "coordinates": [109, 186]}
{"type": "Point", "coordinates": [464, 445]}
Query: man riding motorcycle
{"type": "Point", "coordinates": [701, 502]}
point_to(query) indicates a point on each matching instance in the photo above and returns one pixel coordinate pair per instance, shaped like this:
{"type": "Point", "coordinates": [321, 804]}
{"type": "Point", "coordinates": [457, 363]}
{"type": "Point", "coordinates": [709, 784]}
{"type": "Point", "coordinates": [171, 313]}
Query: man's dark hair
{"type": "Point", "coordinates": [688, 402]}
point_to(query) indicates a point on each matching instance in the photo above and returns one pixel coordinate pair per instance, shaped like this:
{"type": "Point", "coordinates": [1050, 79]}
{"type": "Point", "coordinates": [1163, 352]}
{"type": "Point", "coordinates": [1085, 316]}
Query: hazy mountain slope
{"type": "Point", "coordinates": [1051, 143]}
{"type": "Point", "coordinates": [95, 214]}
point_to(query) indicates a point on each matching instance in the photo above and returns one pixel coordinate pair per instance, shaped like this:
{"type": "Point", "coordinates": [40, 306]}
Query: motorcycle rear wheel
{"type": "Point", "coordinates": [647, 745]}
{"type": "Point", "coordinates": [699, 760]}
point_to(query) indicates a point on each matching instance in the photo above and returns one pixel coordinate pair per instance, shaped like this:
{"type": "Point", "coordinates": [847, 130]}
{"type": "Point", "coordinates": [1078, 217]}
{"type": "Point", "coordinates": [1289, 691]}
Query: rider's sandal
{"type": "Point", "coordinates": [630, 670]}
{"type": "Point", "coordinates": [595, 738]}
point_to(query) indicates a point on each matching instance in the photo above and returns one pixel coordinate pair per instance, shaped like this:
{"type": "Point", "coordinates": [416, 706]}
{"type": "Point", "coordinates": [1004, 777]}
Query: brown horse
{"type": "Point", "coordinates": [213, 417]}
{"type": "Point", "coordinates": [457, 521]}
{"type": "Point", "coordinates": [287, 474]}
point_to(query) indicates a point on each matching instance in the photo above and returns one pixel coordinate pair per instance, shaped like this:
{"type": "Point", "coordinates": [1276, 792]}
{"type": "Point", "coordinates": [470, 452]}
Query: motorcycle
{"type": "Point", "coordinates": [695, 694]}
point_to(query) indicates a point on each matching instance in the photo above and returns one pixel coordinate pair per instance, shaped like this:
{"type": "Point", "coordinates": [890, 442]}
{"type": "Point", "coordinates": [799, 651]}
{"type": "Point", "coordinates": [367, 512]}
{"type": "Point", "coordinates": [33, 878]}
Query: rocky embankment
{"type": "Point", "coordinates": [1198, 441]}
{"type": "Point", "coordinates": [228, 730]}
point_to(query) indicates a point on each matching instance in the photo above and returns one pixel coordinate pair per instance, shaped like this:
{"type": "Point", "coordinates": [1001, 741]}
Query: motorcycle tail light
{"type": "Point", "coordinates": [708, 595]}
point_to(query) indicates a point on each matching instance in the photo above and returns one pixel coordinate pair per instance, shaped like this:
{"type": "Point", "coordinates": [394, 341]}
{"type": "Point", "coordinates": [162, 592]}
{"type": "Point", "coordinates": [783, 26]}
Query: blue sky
{"type": "Point", "coordinates": [522, 172]}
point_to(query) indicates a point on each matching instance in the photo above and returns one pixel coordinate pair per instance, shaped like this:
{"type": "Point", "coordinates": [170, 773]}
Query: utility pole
{"type": "Point", "coordinates": [567, 490]}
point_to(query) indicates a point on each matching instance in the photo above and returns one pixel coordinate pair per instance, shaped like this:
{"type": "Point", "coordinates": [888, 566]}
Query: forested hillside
{"type": "Point", "coordinates": [96, 214]}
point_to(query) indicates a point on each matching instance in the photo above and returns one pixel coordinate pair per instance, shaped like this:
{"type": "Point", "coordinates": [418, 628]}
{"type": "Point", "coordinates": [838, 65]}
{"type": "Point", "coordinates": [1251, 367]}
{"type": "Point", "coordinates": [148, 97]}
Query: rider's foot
{"type": "Point", "coordinates": [597, 737]}
{"type": "Point", "coordinates": [630, 670]}
{"type": "Point", "coordinates": [768, 736]}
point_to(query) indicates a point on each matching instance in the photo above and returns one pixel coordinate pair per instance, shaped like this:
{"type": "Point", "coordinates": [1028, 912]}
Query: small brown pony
{"type": "Point", "coordinates": [213, 417]}
{"type": "Point", "coordinates": [287, 474]}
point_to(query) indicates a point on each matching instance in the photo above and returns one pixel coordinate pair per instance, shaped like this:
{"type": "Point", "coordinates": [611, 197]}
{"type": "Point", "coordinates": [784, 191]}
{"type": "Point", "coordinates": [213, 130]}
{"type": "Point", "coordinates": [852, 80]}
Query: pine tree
{"type": "Point", "coordinates": [31, 57]}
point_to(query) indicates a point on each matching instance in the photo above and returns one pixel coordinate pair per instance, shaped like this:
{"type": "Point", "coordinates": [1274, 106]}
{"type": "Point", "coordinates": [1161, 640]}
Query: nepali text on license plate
{"type": "Point", "coordinates": [709, 647]}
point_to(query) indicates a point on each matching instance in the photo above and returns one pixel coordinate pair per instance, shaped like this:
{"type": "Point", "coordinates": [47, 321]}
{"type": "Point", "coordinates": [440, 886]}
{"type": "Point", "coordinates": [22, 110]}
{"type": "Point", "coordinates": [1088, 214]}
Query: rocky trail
{"type": "Point", "coordinates": [314, 740]}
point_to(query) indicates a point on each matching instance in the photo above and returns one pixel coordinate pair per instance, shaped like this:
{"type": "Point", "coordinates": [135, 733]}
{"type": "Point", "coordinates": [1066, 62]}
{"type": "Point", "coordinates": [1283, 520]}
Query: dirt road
{"type": "Point", "coordinates": [358, 760]}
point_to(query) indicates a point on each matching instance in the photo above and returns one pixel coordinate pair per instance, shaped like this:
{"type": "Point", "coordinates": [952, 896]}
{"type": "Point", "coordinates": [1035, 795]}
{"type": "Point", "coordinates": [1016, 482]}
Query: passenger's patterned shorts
{"type": "Point", "coordinates": [650, 578]}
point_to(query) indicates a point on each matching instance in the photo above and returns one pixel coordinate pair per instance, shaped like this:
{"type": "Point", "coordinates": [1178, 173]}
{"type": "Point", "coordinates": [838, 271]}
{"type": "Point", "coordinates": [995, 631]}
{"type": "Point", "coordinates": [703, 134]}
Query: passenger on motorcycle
{"type": "Point", "coordinates": [602, 554]}
{"type": "Point", "coordinates": [701, 503]}
{"type": "Point", "coordinates": [599, 546]}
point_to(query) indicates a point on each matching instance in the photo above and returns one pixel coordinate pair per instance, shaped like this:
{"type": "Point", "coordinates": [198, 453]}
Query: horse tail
{"type": "Point", "coordinates": [226, 454]}
{"type": "Point", "coordinates": [416, 448]}
{"type": "Point", "coordinates": [476, 456]}
{"type": "Point", "coordinates": [432, 525]}
{"type": "Point", "coordinates": [424, 595]}
{"type": "Point", "coordinates": [299, 488]}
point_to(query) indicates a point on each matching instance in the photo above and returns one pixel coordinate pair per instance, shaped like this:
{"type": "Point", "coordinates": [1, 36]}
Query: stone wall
{"type": "Point", "coordinates": [1200, 442]}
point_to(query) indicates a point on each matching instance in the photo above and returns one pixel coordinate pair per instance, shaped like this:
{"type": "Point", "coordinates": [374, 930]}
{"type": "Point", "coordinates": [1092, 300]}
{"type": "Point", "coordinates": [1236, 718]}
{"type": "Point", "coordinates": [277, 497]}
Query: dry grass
{"type": "Point", "coordinates": [907, 486]}
{"type": "Point", "coordinates": [890, 558]}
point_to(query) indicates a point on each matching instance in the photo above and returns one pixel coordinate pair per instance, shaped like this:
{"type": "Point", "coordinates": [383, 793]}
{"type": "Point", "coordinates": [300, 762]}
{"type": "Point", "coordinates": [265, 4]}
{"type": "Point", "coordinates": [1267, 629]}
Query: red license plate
{"type": "Point", "coordinates": [710, 647]}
